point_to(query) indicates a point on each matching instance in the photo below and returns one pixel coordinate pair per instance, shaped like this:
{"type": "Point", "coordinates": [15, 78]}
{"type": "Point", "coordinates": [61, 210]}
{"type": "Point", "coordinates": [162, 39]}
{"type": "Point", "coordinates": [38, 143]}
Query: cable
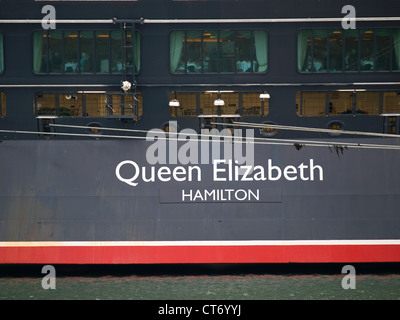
{"type": "Point", "coordinates": [308, 129]}
{"type": "Point", "coordinates": [262, 140]}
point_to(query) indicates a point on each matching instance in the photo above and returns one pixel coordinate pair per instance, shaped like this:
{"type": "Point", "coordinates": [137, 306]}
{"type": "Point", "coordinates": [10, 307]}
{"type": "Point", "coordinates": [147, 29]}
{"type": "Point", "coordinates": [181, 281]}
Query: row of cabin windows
{"type": "Point", "coordinates": [213, 51]}
{"type": "Point", "coordinates": [193, 104]}
{"type": "Point", "coordinates": [63, 51]}
{"type": "Point", "coordinates": [220, 51]}
{"type": "Point", "coordinates": [348, 50]}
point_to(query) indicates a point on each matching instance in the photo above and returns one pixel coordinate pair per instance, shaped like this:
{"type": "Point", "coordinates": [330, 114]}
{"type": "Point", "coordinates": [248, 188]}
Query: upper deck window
{"type": "Point", "coordinates": [348, 50]}
{"type": "Point", "coordinates": [215, 51]}
{"type": "Point", "coordinates": [1, 54]}
{"type": "Point", "coordinates": [66, 51]}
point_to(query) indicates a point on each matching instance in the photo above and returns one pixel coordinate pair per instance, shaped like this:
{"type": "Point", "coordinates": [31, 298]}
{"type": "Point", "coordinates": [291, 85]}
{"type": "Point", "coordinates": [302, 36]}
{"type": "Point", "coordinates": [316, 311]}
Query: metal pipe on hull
{"type": "Point", "coordinates": [168, 21]}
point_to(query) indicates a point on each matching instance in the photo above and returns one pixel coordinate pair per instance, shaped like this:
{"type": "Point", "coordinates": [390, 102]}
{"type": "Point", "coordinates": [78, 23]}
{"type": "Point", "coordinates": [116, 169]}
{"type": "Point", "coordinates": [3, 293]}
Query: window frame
{"type": "Point", "coordinates": [219, 30]}
{"type": "Point", "coordinates": [360, 32]}
{"type": "Point", "coordinates": [80, 72]}
{"type": "Point", "coordinates": [81, 100]}
{"type": "Point", "coordinates": [354, 110]}
{"type": "Point", "coordinates": [196, 112]}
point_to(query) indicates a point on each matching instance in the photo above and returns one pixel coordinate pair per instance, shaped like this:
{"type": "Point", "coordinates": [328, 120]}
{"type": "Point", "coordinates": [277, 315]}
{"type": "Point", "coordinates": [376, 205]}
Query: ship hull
{"type": "Point", "coordinates": [85, 202]}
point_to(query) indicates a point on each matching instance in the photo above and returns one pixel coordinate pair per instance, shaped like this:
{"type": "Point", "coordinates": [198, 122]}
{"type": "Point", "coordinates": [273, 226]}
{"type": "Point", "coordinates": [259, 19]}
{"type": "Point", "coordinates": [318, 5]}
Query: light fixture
{"type": "Point", "coordinates": [174, 103]}
{"type": "Point", "coordinates": [219, 91]}
{"type": "Point", "coordinates": [126, 85]}
{"type": "Point", "coordinates": [219, 102]}
{"type": "Point", "coordinates": [91, 91]}
{"type": "Point", "coordinates": [264, 95]}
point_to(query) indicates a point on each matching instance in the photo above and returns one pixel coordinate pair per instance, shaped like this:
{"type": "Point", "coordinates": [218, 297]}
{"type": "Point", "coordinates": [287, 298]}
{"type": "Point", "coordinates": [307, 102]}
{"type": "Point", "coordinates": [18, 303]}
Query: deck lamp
{"type": "Point", "coordinates": [219, 102]}
{"type": "Point", "coordinates": [126, 85]}
{"type": "Point", "coordinates": [264, 95]}
{"type": "Point", "coordinates": [174, 103]}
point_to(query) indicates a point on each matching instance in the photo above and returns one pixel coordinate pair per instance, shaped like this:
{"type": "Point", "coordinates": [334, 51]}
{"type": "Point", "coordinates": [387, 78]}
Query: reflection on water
{"type": "Point", "coordinates": [260, 282]}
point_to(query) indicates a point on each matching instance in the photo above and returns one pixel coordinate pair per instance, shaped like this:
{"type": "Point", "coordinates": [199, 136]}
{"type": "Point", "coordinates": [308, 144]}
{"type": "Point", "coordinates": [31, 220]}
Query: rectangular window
{"type": "Point", "coordinates": [88, 104]}
{"type": "Point", "coordinates": [85, 51]}
{"type": "Point", "coordinates": [117, 52]}
{"type": "Point", "coordinates": [396, 49]}
{"type": "Point", "coordinates": [304, 50]}
{"type": "Point", "coordinates": [86, 46]}
{"type": "Point", "coordinates": [193, 49]}
{"type": "Point", "coordinates": [351, 50]}
{"type": "Point", "coordinates": [3, 109]}
{"type": "Point", "coordinates": [348, 50]}
{"type": "Point", "coordinates": [367, 55]}
{"type": "Point", "coordinates": [71, 51]}
{"type": "Point", "coordinates": [102, 44]}
{"type": "Point", "coordinates": [231, 103]}
{"type": "Point", "coordinates": [311, 103]}
{"type": "Point", "coordinates": [335, 58]}
{"type": "Point", "coordinates": [367, 102]}
{"type": "Point", "coordinates": [1, 53]}
{"type": "Point", "coordinates": [207, 105]}
{"type": "Point", "coordinates": [127, 105]}
{"type": "Point", "coordinates": [55, 51]}
{"type": "Point", "coordinates": [218, 51]}
{"type": "Point", "coordinates": [187, 104]}
{"type": "Point", "coordinates": [382, 49]}
{"type": "Point", "coordinates": [227, 51]}
{"type": "Point", "coordinates": [391, 102]}
{"type": "Point", "coordinates": [210, 51]}
{"type": "Point", "coordinates": [252, 105]}
{"type": "Point", "coordinates": [245, 61]}
{"type": "Point", "coordinates": [320, 50]}
{"type": "Point", "coordinates": [340, 102]}
{"type": "Point", "coordinates": [193, 104]}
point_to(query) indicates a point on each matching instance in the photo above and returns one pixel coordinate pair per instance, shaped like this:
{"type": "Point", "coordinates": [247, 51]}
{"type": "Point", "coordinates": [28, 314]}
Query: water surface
{"type": "Point", "coordinates": [191, 282]}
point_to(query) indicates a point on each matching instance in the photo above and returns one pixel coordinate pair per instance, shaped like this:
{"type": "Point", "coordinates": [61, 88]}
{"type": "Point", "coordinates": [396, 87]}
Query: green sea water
{"type": "Point", "coordinates": [183, 282]}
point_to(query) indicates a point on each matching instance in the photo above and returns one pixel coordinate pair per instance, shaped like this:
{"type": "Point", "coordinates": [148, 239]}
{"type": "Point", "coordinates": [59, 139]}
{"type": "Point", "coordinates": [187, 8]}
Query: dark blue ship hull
{"type": "Point", "coordinates": [75, 202]}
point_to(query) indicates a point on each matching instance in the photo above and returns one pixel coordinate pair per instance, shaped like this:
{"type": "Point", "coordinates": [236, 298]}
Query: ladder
{"type": "Point", "coordinates": [128, 39]}
{"type": "Point", "coordinates": [127, 102]}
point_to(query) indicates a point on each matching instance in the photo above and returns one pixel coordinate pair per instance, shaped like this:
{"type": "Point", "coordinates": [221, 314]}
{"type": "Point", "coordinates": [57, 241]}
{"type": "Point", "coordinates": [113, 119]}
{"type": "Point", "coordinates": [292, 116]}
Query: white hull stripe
{"type": "Point", "coordinates": [270, 84]}
{"type": "Point", "coordinates": [196, 243]}
{"type": "Point", "coordinates": [157, 21]}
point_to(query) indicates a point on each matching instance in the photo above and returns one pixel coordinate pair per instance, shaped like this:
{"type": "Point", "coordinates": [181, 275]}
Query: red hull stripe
{"type": "Point", "coordinates": [143, 253]}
